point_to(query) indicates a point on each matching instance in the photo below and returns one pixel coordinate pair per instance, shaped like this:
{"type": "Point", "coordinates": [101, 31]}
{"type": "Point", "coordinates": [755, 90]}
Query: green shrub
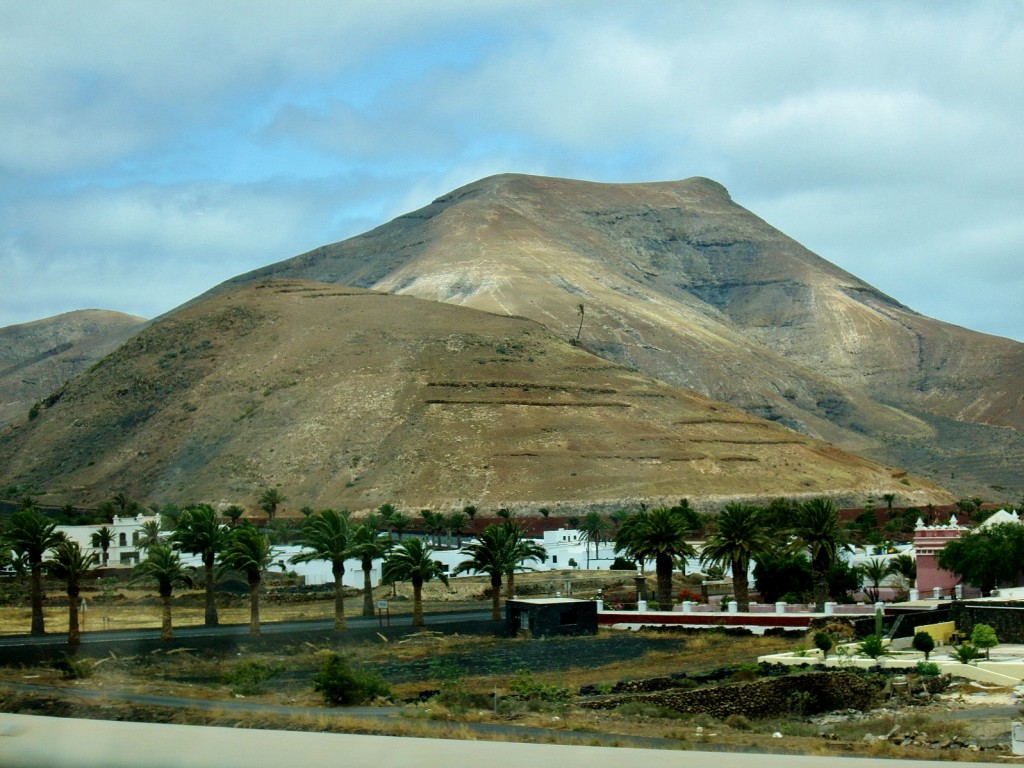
{"type": "Point", "coordinates": [823, 642]}
{"type": "Point", "coordinates": [74, 668]}
{"type": "Point", "coordinates": [339, 684]}
{"type": "Point", "coordinates": [523, 686]}
{"type": "Point", "coordinates": [966, 653]}
{"type": "Point", "coordinates": [739, 722]}
{"type": "Point", "coordinates": [984, 637]}
{"type": "Point", "coordinates": [873, 646]}
{"type": "Point", "coordinates": [247, 678]}
{"type": "Point", "coordinates": [927, 668]}
{"type": "Point", "coordinates": [924, 643]}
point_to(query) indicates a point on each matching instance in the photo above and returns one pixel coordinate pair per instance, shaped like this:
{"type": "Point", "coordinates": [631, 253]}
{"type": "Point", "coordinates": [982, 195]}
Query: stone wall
{"type": "Point", "coordinates": [779, 696]}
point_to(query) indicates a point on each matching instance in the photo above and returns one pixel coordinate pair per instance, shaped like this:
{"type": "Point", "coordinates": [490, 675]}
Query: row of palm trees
{"type": "Point", "coordinates": [741, 533]}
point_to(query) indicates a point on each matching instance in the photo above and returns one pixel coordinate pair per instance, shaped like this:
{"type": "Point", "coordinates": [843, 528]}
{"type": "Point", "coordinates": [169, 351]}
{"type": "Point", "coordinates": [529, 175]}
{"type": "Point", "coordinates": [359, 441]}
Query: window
{"type": "Point", "coordinates": [122, 539]}
{"type": "Point", "coordinates": [554, 559]}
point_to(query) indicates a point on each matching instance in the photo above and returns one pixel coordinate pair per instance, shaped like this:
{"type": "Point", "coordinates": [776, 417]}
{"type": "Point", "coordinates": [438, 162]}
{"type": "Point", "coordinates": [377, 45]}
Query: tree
{"type": "Point", "coordinates": [163, 565]}
{"type": "Point", "coordinates": [270, 500]}
{"type": "Point", "coordinates": [659, 535]}
{"type": "Point", "coordinates": [739, 537]}
{"type": "Point", "coordinates": [986, 557]}
{"type": "Point", "coordinates": [817, 529]}
{"type": "Point", "coordinates": [433, 524]}
{"type": "Point", "coordinates": [595, 528]}
{"type": "Point", "coordinates": [200, 532]}
{"type": "Point", "coordinates": [247, 550]}
{"type": "Point", "coordinates": [984, 637]}
{"type": "Point", "coordinates": [470, 510]}
{"type": "Point", "coordinates": [520, 549]}
{"type": "Point", "coordinates": [71, 565]}
{"type": "Point", "coordinates": [874, 570]}
{"type": "Point", "coordinates": [150, 534]}
{"type": "Point", "coordinates": [924, 643]}
{"type": "Point", "coordinates": [582, 311]}
{"type": "Point", "coordinates": [400, 522]}
{"type": "Point", "coordinates": [368, 544]}
{"type": "Point", "coordinates": [413, 561]}
{"type": "Point", "coordinates": [233, 514]}
{"type": "Point", "coordinates": [456, 523]}
{"type": "Point", "coordinates": [890, 499]}
{"type": "Point", "coordinates": [102, 539]}
{"type": "Point", "coordinates": [488, 554]}
{"type": "Point", "coordinates": [782, 575]}
{"type": "Point", "coordinates": [824, 643]}
{"type": "Point", "coordinates": [327, 536]}
{"type": "Point", "coordinates": [30, 535]}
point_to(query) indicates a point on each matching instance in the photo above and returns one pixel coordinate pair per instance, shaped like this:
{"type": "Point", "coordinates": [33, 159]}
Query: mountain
{"type": "Point", "coordinates": [682, 283]}
{"type": "Point", "coordinates": [37, 358]}
{"type": "Point", "coordinates": [350, 398]}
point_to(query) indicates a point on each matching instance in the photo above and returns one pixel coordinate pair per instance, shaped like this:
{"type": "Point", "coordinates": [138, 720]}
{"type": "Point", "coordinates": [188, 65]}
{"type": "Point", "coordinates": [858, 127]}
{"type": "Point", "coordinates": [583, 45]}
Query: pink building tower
{"type": "Point", "coordinates": [929, 541]}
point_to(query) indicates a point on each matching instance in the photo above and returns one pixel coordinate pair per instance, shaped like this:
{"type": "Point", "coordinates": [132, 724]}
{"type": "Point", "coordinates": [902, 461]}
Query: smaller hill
{"type": "Point", "coordinates": [37, 358]}
{"type": "Point", "coordinates": [350, 398]}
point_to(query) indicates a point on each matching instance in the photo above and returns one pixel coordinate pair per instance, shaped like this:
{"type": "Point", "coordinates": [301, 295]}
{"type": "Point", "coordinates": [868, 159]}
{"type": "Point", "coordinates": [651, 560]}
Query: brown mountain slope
{"type": "Point", "coordinates": [37, 358]}
{"type": "Point", "coordinates": [346, 398]}
{"type": "Point", "coordinates": [679, 281]}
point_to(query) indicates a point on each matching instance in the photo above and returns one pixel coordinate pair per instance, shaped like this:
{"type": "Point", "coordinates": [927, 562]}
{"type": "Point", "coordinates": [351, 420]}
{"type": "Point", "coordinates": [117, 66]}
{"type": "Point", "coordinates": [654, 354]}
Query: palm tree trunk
{"type": "Point", "coordinates": [38, 627]}
{"type": "Point", "coordinates": [74, 635]}
{"type": "Point", "coordinates": [663, 569]}
{"type": "Point", "coordinates": [166, 628]}
{"type": "Point", "coordinates": [510, 585]}
{"type": "Point", "coordinates": [338, 569]}
{"type": "Point", "coordinates": [254, 607]}
{"type": "Point", "coordinates": [417, 602]}
{"type": "Point", "coordinates": [740, 585]}
{"type": "Point", "coordinates": [367, 588]}
{"type": "Point", "coordinates": [495, 597]}
{"type": "Point", "coordinates": [819, 578]}
{"type": "Point", "coordinates": [210, 619]}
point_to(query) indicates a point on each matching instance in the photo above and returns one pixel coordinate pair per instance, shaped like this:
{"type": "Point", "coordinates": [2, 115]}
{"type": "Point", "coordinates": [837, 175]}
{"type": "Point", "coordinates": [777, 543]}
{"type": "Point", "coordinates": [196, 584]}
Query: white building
{"type": "Point", "coordinates": [124, 549]}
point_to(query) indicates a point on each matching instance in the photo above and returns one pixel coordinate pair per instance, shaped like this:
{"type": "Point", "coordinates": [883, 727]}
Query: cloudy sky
{"type": "Point", "coordinates": [150, 150]}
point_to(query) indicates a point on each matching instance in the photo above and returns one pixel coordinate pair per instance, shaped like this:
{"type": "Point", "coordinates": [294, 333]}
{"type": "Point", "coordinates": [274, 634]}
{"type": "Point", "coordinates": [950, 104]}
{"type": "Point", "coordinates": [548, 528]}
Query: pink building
{"type": "Point", "coordinates": [929, 541]}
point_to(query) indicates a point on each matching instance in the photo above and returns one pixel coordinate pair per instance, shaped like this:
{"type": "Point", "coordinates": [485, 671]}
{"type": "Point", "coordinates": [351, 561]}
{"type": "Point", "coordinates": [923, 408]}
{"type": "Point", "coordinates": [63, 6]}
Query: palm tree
{"type": "Point", "coordinates": [488, 554]}
{"type": "Point", "coordinates": [456, 523]}
{"type": "Point", "coordinates": [71, 564]}
{"type": "Point", "coordinates": [817, 529]}
{"type": "Point", "coordinates": [874, 570]}
{"type": "Point", "coordinates": [739, 537]}
{"type": "Point", "coordinates": [249, 551]}
{"type": "Point", "coordinates": [889, 499]}
{"type": "Point", "coordinates": [200, 532]}
{"type": "Point", "coordinates": [433, 523]}
{"type": "Point", "coordinates": [659, 534]}
{"type": "Point", "coordinates": [369, 544]}
{"type": "Point", "coordinates": [31, 535]}
{"type": "Point", "coordinates": [470, 510]}
{"type": "Point", "coordinates": [520, 549]}
{"type": "Point", "coordinates": [233, 514]}
{"type": "Point", "coordinates": [327, 536]}
{"type": "Point", "coordinates": [400, 522]}
{"type": "Point", "coordinates": [412, 561]}
{"type": "Point", "coordinates": [163, 564]}
{"type": "Point", "coordinates": [102, 540]}
{"type": "Point", "coordinates": [150, 534]}
{"type": "Point", "coordinates": [595, 528]}
{"type": "Point", "coordinates": [270, 500]}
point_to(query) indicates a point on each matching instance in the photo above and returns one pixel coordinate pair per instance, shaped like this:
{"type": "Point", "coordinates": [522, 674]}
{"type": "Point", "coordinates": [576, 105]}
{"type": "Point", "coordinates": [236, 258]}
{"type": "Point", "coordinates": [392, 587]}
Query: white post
{"type": "Point", "coordinates": [830, 608]}
{"type": "Point", "coordinates": [958, 590]}
{"type": "Point", "coordinates": [734, 607]}
{"type": "Point", "coordinates": [780, 607]}
{"type": "Point", "coordinates": [1017, 736]}
{"type": "Point", "coordinates": [937, 592]}
{"type": "Point", "coordinates": [641, 606]}
{"type": "Point", "coordinates": [600, 605]}
{"type": "Point", "coordinates": [687, 606]}
{"type": "Point", "coordinates": [914, 594]}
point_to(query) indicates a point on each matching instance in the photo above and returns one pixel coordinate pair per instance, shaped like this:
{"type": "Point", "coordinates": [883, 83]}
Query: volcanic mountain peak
{"type": "Point", "coordinates": [679, 281]}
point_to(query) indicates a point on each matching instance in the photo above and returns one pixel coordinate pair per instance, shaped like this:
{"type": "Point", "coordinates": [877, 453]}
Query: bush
{"type": "Point", "coordinates": [739, 722]}
{"type": "Point", "coordinates": [966, 653]}
{"type": "Point", "coordinates": [339, 684]}
{"type": "Point", "coordinates": [823, 642]}
{"type": "Point", "coordinates": [873, 646]}
{"type": "Point", "coordinates": [622, 564]}
{"type": "Point", "coordinates": [523, 686]}
{"type": "Point", "coordinates": [74, 668]}
{"type": "Point", "coordinates": [248, 677]}
{"type": "Point", "coordinates": [984, 637]}
{"type": "Point", "coordinates": [927, 668]}
{"type": "Point", "coordinates": [924, 642]}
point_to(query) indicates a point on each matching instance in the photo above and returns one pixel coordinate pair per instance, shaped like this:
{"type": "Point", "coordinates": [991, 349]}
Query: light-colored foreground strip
{"type": "Point", "coordinates": [29, 741]}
